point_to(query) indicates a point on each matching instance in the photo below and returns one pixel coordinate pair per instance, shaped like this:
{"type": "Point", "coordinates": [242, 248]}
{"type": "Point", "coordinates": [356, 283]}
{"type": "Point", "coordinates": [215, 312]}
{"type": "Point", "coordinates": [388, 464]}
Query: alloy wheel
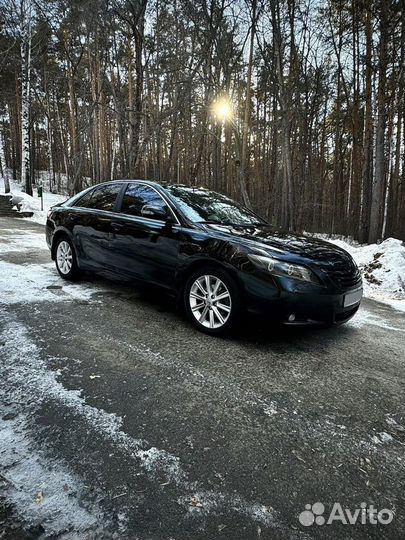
{"type": "Point", "coordinates": [64, 257]}
{"type": "Point", "coordinates": [210, 301]}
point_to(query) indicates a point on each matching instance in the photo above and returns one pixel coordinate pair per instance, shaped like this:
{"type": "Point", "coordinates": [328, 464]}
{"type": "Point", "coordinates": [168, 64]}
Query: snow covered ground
{"type": "Point", "coordinates": [33, 204]}
{"type": "Point", "coordinates": [38, 495]}
{"type": "Point", "coordinates": [40, 280]}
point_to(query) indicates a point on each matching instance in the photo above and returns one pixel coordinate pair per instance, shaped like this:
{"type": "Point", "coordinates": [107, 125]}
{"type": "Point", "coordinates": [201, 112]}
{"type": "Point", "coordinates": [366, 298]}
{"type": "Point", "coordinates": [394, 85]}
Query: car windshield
{"type": "Point", "coordinates": [203, 206]}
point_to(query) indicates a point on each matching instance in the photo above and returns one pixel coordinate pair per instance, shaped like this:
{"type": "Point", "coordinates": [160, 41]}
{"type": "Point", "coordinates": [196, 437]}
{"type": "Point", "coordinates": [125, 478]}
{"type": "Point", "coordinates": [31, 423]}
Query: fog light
{"type": "Point", "coordinates": [291, 318]}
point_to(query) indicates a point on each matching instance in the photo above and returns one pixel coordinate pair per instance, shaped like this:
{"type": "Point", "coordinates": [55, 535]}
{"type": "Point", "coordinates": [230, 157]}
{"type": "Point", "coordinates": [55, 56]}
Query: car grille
{"type": "Point", "coordinates": [345, 276]}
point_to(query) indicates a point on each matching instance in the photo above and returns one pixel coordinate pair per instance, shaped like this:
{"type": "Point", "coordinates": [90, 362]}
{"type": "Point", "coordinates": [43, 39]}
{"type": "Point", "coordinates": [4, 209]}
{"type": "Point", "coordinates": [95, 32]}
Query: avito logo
{"type": "Point", "coordinates": [314, 513]}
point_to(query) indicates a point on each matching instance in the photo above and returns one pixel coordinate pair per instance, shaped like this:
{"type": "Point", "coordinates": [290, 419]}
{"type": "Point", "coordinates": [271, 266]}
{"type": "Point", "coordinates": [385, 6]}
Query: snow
{"type": "Point", "coordinates": [33, 204]}
{"type": "Point", "coordinates": [42, 491]}
{"type": "Point", "coordinates": [41, 284]}
{"type": "Point", "coordinates": [366, 318]}
{"type": "Point", "coordinates": [19, 240]}
{"type": "Point", "coordinates": [394, 424]}
{"type": "Point", "coordinates": [382, 267]}
{"type": "Point", "coordinates": [270, 409]}
{"type": "Point", "coordinates": [211, 502]}
{"type": "Point", "coordinates": [41, 281]}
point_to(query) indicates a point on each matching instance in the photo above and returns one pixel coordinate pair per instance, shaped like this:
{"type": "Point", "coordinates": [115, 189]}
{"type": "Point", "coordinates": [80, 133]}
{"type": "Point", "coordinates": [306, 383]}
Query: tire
{"type": "Point", "coordinates": [212, 315]}
{"type": "Point", "coordinates": [65, 259]}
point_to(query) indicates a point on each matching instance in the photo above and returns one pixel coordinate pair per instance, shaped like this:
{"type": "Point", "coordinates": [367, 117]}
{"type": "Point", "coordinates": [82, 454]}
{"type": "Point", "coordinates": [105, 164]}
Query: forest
{"type": "Point", "coordinates": [296, 108]}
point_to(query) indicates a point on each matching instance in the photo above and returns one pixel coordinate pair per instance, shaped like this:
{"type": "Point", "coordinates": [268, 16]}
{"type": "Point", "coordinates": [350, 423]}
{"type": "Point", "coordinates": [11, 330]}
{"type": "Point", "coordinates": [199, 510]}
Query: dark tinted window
{"type": "Point", "coordinates": [100, 198]}
{"type": "Point", "coordinates": [201, 205]}
{"type": "Point", "coordinates": [136, 196]}
{"type": "Point", "coordinates": [84, 200]}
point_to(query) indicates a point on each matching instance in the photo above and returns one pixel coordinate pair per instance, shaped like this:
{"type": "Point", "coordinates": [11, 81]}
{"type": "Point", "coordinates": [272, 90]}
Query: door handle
{"type": "Point", "coordinates": [116, 227]}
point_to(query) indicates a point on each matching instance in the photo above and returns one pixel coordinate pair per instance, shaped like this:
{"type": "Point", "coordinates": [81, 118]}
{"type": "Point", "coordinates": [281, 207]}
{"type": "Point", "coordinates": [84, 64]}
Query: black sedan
{"type": "Point", "coordinates": [219, 258]}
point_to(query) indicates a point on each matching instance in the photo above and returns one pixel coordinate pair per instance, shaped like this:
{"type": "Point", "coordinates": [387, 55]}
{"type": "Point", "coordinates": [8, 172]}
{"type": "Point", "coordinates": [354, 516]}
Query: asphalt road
{"type": "Point", "coordinates": [120, 420]}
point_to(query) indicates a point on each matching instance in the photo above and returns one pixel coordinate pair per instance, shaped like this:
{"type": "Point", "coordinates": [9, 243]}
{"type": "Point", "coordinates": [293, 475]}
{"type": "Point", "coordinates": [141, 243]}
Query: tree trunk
{"type": "Point", "coordinates": [51, 165]}
{"type": "Point", "coordinates": [244, 157]}
{"type": "Point", "coordinates": [377, 199]}
{"type": "Point", "coordinates": [25, 94]}
{"type": "Point", "coordinates": [3, 165]}
{"type": "Point", "coordinates": [367, 172]}
{"type": "Point", "coordinates": [287, 204]}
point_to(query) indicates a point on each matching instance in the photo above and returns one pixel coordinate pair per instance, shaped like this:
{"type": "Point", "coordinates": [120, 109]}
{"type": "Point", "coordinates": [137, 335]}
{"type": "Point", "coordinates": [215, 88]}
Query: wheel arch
{"type": "Point", "coordinates": [202, 262]}
{"type": "Point", "coordinates": [59, 233]}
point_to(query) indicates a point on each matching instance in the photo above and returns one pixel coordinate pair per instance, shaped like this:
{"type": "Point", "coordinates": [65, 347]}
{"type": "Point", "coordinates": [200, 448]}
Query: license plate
{"type": "Point", "coordinates": [353, 298]}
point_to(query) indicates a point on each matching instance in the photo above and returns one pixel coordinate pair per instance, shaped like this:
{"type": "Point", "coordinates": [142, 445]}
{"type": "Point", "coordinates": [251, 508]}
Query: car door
{"type": "Point", "coordinates": [93, 217]}
{"type": "Point", "coordinates": [144, 247]}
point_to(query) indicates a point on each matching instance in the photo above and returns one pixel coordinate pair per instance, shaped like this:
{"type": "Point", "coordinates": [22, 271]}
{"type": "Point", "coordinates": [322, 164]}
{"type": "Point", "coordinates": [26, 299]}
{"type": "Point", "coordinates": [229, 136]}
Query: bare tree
{"type": "Point", "coordinates": [3, 167]}
{"type": "Point", "coordinates": [378, 189]}
{"type": "Point", "coordinates": [244, 153]}
{"type": "Point", "coordinates": [26, 13]}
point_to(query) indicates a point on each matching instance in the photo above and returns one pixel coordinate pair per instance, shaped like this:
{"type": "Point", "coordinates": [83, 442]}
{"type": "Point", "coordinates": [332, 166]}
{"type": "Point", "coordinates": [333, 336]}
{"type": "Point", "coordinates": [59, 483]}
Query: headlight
{"type": "Point", "coordinates": [284, 269]}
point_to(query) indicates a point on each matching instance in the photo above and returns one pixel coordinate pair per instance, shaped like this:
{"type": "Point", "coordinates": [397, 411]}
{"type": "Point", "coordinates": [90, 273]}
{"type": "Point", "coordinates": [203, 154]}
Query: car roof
{"type": "Point", "coordinates": [124, 180]}
{"type": "Point", "coordinates": [152, 183]}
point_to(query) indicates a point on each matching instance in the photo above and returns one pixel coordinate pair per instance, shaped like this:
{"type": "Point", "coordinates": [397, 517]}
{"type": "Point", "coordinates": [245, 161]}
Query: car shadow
{"type": "Point", "coordinates": [263, 334]}
{"type": "Point", "coordinates": [253, 330]}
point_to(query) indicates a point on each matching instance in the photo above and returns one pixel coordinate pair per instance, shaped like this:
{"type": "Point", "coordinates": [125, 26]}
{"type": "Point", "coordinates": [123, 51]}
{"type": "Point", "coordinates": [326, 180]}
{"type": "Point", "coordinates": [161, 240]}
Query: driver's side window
{"type": "Point", "coordinates": [137, 196]}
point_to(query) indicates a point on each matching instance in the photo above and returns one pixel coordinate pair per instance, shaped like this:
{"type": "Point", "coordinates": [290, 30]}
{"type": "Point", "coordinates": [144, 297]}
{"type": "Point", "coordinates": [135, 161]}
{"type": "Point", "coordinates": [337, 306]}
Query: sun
{"type": "Point", "coordinates": [222, 109]}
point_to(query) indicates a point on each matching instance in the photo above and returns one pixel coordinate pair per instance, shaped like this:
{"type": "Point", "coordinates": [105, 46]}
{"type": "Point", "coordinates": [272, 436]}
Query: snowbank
{"type": "Point", "coordinates": [382, 267]}
{"type": "Point", "coordinates": [32, 204]}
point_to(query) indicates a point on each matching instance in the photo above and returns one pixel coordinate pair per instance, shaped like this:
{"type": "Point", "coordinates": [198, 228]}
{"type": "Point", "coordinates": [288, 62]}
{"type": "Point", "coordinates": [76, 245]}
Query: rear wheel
{"type": "Point", "coordinates": [65, 259]}
{"type": "Point", "coordinates": [212, 301]}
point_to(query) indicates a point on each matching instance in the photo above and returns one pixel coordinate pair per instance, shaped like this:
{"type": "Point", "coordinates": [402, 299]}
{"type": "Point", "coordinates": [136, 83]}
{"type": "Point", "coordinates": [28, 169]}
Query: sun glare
{"type": "Point", "coordinates": [222, 109]}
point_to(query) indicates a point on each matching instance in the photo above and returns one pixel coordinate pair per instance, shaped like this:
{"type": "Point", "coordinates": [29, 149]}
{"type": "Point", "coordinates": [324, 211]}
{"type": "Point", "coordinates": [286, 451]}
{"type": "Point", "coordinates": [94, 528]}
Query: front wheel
{"type": "Point", "coordinates": [212, 301]}
{"type": "Point", "coordinates": [65, 259]}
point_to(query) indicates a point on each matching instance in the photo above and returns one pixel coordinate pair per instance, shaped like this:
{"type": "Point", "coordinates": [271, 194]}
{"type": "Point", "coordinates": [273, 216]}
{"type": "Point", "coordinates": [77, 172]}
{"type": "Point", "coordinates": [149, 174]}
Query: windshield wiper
{"type": "Point", "coordinates": [231, 224]}
{"type": "Point", "coordinates": [212, 222]}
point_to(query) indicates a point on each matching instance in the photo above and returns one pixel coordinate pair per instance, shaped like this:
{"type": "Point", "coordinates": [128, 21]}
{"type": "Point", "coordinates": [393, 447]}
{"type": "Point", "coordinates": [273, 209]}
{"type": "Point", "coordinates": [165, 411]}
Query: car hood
{"type": "Point", "coordinates": [284, 243]}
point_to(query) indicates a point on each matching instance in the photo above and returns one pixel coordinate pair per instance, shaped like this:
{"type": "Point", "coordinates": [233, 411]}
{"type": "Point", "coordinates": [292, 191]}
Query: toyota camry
{"type": "Point", "coordinates": [217, 257]}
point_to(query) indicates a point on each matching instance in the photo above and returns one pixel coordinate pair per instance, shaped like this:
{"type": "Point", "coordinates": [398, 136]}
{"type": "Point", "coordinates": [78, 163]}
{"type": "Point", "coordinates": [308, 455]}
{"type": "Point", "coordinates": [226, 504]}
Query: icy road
{"type": "Point", "coordinates": [119, 420]}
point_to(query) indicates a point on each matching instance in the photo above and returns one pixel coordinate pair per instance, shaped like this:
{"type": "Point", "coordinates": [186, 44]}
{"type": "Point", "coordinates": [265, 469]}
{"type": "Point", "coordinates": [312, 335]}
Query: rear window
{"type": "Point", "coordinates": [100, 198]}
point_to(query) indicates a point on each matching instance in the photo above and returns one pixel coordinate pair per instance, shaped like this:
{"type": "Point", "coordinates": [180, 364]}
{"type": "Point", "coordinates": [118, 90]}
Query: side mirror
{"type": "Point", "coordinates": [155, 211]}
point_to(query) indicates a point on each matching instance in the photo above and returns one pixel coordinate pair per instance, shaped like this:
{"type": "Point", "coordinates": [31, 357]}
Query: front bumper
{"type": "Point", "coordinates": [290, 303]}
{"type": "Point", "coordinates": [315, 309]}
